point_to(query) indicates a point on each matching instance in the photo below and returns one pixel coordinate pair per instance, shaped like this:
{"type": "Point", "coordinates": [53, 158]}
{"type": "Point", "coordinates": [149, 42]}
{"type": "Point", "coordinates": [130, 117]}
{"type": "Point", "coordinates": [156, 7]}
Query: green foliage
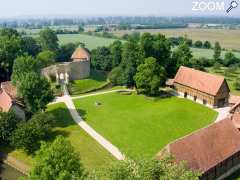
{"type": "Point", "coordinates": [217, 52]}
{"type": "Point", "coordinates": [182, 55]}
{"type": "Point", "coordinates": [117, 76]}
{"type": "Point", "coordinates": [101, 59]}
{"type": "Point", "coordinates": [22, 66]}
{"type": "Point", "coordinates": [10, 48]}
{"type": "Point", "coordinates": [30, 46]}
{"type": "Point", "coordinates": [149, 77]}
{"type": "Point", "coordinates": [46, 58]}
{"type": "Point", "coordinates": [35, 91]}
{"type": "Point", "coordinates": [57, 161]}
{"type": "Point", "coordinates": [207, 45]}
{"type": "Point", "coordinates": [132, 56]}
{"type": "Point", "coordinates": [116, 53]}
{"type": "Point", "coordinates": [230, 59]}
{"type": "Point", "coordinates": [217, 66]}
{"type": "Point", "coordinates": [198, 44]}
{"type": "Point", "coordinates": [156, 46]}
{"type": "Point", "coordinates": [65, 51]}
{"type": "Point", "coordinates": [8, 123]}
{"type": "Point", "coordinates": [28, 134]}
{"type": "Point", "coordinates": [146, 170]}
{"type": "Point", "coordinates": [48, 40]}
{"type": "Point", "coordinates": [237, 84]}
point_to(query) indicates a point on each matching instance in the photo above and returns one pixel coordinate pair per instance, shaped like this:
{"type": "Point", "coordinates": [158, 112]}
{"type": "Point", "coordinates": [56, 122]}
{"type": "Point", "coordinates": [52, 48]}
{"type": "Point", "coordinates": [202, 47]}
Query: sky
{"type": "Point", "coordinates": [15, 8]}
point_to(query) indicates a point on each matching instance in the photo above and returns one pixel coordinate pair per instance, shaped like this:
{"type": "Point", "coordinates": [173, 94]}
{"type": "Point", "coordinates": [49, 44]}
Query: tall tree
{"type": "Point", "coordinates": [35, 91]}
{"type": "Point", "coordinates": [30, 46]}
{"type": "Point", "coordinates": [22, 66]}
{"type": "Point", "coordinates": [8, 123]}
{"type": "Point", "coordinates": [149, 77]}
{"type": "Point", "coordinates": [217, 52]}
{"type": "Point", "coordinates": [10, 48]}
{"type": "Point", "coordinates": [65, 51]}
{"type": "Point", "coordinates": [28, 134]}
{"type": "Point", "coordinates": [48, 40]}
{"type": "Point", "coordinates": [132, 57]}
{"type": "Point", "coordinates": [101, 58]}
{"type": "Point", "coordinates": [46, 58]}
{"type": "Point", "coordinates": [57, 161]}
{"type": "Point", "coordinates": [182, 55]}
{"type": "Point", "coordinates": [230, 59]}
{"type": "Point", "coordinates": [116, 53]}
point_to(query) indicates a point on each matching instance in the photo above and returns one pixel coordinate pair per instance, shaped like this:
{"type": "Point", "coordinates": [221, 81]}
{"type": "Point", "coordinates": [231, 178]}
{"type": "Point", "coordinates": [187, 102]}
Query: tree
{"type": "Point", "coordinates": [149, 77]}
{"type": "Point", "coordinates": [65, 51]}
{"type": "Point", "coordinates": [237, 84]}
{"type": "Point", "coordinates": [10, 48]}
{"type": "Point", "coordinates": [57, 161]}
{"type": "Point", "coordinates": [101, 59]}
{"type": "Point", "coordinates": [156, 46]}
{"type": "Point", "coordinates": [48, 40]}
{"type": "Point", "coordinates": [30, 46]}
{"type": "Point", "coordinates": [117, 76]}
{"type": "Point", "coordinates": [198, 44]}
{"type": "Point", "coordinates": [145, 170]}
{"type": "Point", "coordinates": [217, 66]}
{"type": "Point", "coordinates": [132, 57]}
{"type": "Point", "coordinates": [46, 58]}
{"type": "Point", "coordinates": [80, 29]}
{"type": "Point", "coordinates": [217, 52]}
{"type": "Point", "coordinates": [35, 91]}
{"type": "Point", "coordinates": [207, 45]}
{"type": "Point", "coordinates": [229, 59]}
{"type": "Point", "coordinates": [22, 66]}
{"type": "Point", "coordinates": [116, 53]}
{"type": "Point", "coordinates": [27, 135]}
{"type": "Point", "coordinates": [8, 123]}
{"type": "Point", "coordinates": [182, 55]}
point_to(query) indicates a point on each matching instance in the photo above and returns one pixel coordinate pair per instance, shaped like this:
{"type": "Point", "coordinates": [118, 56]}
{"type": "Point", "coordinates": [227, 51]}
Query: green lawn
{"type": "Point", "coordinates": [95, 81]}
{"type": "Point", "coordinates": [140, 126]}
{"type": "Point", "coordinates": [230, 77]}
{"type": "Point", "coordinates": [91, 153]}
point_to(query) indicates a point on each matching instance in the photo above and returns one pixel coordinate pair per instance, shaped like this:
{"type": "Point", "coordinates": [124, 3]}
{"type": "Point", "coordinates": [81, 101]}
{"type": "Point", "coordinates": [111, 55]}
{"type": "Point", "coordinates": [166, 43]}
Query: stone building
{"type": "Point", "coordinates": [202, 87]}
{"type": "Point", "coordinates": [77, 68]}
{"type": "Point", "coordinates": [213, 151]}
{"type": "Point", "coordinates": [9, 100]}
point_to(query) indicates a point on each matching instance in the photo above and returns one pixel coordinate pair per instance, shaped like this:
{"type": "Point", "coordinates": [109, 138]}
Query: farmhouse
{"type": "Point", "coordinates": [214, 151]}
{"type": "Point", "coordinates": [77, 68]}
{"type": "Point", "coordinates": [202, 87]}
{"type": "Point", "coordinates": [9, 100]}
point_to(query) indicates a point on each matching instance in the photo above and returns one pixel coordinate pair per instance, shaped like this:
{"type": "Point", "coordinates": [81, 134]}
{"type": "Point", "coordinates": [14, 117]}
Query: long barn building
{"type": "Point", "coordinates": [202, 87]}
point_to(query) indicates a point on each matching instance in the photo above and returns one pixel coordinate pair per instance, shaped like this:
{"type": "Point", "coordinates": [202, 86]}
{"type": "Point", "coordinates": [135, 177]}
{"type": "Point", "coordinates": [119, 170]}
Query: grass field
{"type": "Point", "coordinates": [230, 77]}
{"type": "Point", "coordinates": [140, 126]}
{"type": "Point", "coordinates": [208, 53]}
{"type": "Point", "coordinates": [95, 81]}
{"type": "Point", "coordinates": [91, 153]}
{"type": "Point", "coordinates": [91, 42]}
{"type": "Point", "coordinates": [229, 39]}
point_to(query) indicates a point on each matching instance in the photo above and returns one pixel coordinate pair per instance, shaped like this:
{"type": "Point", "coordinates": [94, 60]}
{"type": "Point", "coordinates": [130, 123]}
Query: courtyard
{"type": "Point", "coordinates": [141, 126]}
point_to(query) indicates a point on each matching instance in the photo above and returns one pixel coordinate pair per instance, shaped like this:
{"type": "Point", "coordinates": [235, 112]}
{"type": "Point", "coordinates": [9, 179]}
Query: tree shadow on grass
{"type": "Point", "coordinates": [82, 113]}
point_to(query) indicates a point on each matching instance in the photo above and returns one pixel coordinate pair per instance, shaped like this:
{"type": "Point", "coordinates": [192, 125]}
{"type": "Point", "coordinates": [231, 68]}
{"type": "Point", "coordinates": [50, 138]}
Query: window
{"type": "Point", "coordinates": [195, 98]}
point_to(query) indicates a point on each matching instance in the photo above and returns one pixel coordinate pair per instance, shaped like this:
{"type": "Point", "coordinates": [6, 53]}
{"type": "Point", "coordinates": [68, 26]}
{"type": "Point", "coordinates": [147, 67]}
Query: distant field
{"type": "Point", "coordinates": [230, 77]}
{"type": "Point", "coordinates": [91, 42]}
{"type": "Point", "coordinates": [208, 53]}
{"type": "Point", "coordinates": [229, 39]}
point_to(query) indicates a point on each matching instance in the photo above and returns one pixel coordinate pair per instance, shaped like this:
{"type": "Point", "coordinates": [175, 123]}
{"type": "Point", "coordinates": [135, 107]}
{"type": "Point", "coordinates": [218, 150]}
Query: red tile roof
{"type": "Point", "coordinates": [207, 147]}
{"type": "Point", "coordinates": [80, 53]}
{"type": "Point", "coordinates": [9, 89]}
{"type": "Point", "coordinates": [202, 81]}
{"type": "Point", "coordinates": [5, 101]}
